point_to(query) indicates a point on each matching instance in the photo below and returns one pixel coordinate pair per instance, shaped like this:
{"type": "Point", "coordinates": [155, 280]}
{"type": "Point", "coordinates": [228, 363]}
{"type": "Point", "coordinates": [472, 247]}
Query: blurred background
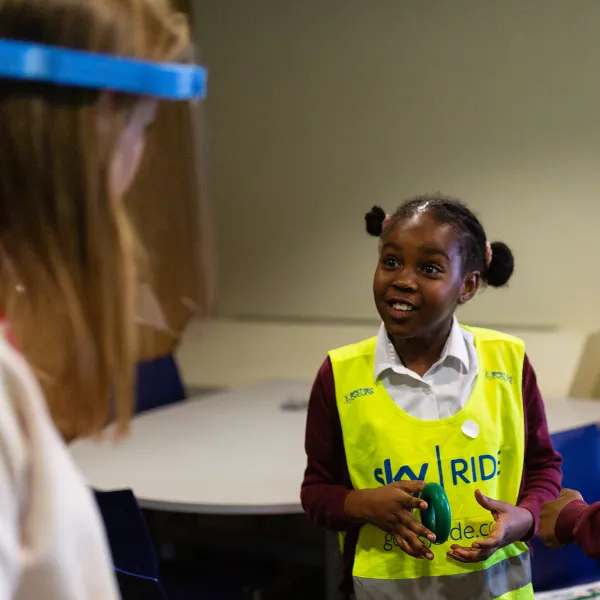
{"type": "Point", "coordinates": [319, 109]}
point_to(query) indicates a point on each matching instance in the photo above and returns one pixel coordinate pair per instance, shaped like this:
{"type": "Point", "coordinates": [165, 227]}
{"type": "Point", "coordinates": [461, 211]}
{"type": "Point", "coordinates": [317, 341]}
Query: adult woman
{"type": "Point", "coordinates": [70, 275]}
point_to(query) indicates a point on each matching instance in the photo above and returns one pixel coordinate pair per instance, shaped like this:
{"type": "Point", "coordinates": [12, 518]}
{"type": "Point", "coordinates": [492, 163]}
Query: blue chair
{"type": "Point", "coordinates": [136, 565]}
{"type": "Point", "coordinates": [568, 566]}
{"type": "Point", "coordinates": [158, 383]}
{"type": "Point", "coordinates": [131, 547]}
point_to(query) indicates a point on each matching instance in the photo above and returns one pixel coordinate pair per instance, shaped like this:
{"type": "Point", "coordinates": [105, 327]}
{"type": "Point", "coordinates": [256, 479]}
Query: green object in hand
{"type": "Point", "coordinates": [437, 515]}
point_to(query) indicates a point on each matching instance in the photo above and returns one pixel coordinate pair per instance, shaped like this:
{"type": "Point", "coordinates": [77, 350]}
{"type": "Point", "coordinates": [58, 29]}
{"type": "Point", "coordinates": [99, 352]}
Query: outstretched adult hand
{"type": "Point", "coordinates": [549, 516]}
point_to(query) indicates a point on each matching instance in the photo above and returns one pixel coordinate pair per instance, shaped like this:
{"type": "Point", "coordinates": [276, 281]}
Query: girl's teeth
{"type": "Point", "coordinates": [402, 307]}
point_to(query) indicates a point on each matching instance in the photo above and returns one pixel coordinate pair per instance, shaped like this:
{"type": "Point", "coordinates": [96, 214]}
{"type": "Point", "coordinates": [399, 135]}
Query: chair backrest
{"type": "Point", "coordinates": [131, 546]}
{"type": "Point", "coordinates": [158, 383]}
{"type": "Point", "coordinates": [553, 569]}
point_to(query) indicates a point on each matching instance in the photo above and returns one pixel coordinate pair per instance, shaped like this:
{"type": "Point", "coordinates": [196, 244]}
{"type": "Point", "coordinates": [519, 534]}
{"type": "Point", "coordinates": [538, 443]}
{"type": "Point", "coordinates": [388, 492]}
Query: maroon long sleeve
{"type": "Point", "coordinates": [580, 523]}
{"type": "Point", "coordinates": [542, 473]}
{"type": "Point", "coordinates": [327, 480]}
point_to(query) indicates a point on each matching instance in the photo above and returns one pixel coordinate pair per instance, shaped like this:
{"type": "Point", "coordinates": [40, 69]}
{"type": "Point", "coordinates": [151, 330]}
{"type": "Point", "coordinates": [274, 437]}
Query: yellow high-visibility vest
{"type": "Point", "coordinates": [384, 444]}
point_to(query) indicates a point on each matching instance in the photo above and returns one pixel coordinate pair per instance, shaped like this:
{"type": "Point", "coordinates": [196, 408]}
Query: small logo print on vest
{"type": "Point", "coordinates": [349, 398]}
{"type": "Point", "coordinates": [498, 376]}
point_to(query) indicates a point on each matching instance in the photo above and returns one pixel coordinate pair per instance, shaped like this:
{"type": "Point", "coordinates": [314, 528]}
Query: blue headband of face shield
{"type": "Point", "coordinates": [65, 67]}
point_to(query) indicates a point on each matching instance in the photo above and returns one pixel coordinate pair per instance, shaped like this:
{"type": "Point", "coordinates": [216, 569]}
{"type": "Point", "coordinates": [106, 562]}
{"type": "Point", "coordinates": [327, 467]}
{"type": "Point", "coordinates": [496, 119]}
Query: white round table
{"type": "Point", "coordinates": [235, 452]}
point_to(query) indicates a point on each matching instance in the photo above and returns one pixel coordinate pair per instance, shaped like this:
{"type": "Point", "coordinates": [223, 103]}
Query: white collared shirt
{"type": "Point", "coordinates": [446, 386]}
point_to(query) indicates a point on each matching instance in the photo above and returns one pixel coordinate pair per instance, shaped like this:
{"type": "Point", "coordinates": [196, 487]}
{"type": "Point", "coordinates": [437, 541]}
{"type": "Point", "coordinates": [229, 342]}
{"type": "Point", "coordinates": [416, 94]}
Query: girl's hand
{"type": "Point", "coordinates": [512, 524]}
{"type": "Point", "coordinates": [390, 509]}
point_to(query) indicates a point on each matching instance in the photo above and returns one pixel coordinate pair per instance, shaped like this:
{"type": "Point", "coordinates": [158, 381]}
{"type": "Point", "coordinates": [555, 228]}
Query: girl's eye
{"type": "Point", "coordinates": [390, 262]}
{"type": "Point", "coordinates": [431, 270]}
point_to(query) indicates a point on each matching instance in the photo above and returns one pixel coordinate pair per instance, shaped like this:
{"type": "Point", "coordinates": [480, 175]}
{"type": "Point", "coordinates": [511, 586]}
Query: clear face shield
{"type": "Point", "coordinates": [169, 201]}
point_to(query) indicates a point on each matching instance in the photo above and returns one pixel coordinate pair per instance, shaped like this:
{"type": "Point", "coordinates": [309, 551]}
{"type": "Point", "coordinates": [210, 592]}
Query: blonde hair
{"type": "Point", "coordinates": [69, 255]}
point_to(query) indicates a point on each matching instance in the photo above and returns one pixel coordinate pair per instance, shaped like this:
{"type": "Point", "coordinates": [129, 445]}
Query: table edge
{"type": "Point", "coordinates": [220, 509]}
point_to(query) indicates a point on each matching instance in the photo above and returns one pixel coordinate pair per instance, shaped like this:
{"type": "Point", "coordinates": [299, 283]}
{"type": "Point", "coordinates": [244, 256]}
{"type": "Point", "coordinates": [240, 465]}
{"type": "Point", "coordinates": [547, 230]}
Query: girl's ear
{"type": "Point", "coordinates": [470, 286]}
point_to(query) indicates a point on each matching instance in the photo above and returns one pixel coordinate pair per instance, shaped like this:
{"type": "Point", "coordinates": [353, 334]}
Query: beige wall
{"type": "Point", "coordinates": [319, 108]}
{"type": "Point", "coordinates": [566, 362]}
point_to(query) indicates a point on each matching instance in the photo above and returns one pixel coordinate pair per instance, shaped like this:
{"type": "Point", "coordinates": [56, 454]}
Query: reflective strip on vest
{"type": "Point", "coordinates": [496, 582]}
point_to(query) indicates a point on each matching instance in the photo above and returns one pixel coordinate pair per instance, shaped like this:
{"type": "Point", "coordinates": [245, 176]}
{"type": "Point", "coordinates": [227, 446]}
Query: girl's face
{"type": "Point", "coordinates": [419, 279]}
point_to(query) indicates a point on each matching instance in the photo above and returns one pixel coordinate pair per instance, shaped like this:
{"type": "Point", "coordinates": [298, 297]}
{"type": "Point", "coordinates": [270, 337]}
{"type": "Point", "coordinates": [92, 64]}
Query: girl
{"type": "Point", "coordinates": [430, 400]}
{"type": "Point", "coordinates": [69, 279]}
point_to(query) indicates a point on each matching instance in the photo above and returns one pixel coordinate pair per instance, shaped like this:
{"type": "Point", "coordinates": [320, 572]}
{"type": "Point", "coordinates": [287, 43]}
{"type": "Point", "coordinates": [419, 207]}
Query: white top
{"type": "Point", "coordinates": [52, 542]}
{"type": "Point", "coordinates": [237, 452]}
{"type": "Point", "coordinates": [443, 390]}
